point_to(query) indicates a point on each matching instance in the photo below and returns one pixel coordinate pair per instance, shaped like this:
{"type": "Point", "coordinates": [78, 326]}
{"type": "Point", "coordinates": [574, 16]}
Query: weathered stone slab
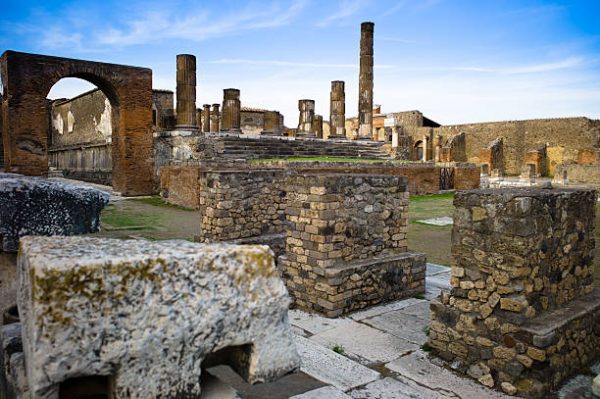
{"type": "Point", "coordinates": [332, 368]}
{"type": "Point", "coordinates": [434, 269]}
{"type": "Point", "coordinates": [327, 392]}
{"type": "Point", "coordinates": [314, 323]}
{"type": "Point", "coordinates": [401, 325]}
{"type": "Point", "coordinates": [365, 344]}
{"type": "Point", "coordinates": [400, 388]}
{"type": "Point", "coordinates": [381, 309]}
{"type": "Point", "coordinates": [150, 314]}
{"type": "Point", "coordinates": [35, 206]}
{"type": "Point", "coordinates": [441, 221]}
{"type": "Point", "coordinates": [420, 369]}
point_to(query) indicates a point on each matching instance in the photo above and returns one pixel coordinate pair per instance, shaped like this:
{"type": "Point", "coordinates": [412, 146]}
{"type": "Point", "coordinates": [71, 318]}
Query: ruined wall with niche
{"type": "Point", "coordinates": [564, 136]}
{"type": "Point", "coordinates": [252, 121]}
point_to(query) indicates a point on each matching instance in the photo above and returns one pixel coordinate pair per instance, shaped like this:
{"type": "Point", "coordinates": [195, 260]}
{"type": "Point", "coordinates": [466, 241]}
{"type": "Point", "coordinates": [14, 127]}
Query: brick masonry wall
{"type": "Point", "coordinates": [564, 136]}
{"type": "Point", "coordinates": [239, 204]}
{"type": "Point", "coordinates": [521, 286]}
{"type": "Point", "coordinates": [466, 176]}
{"type": "Point", "coordinates": [179, 185]}
{"type": "Point", "coordinates": [346, 244]}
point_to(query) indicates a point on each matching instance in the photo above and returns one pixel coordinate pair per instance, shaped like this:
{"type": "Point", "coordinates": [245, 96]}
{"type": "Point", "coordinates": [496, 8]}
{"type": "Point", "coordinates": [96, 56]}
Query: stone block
{"type": "Point", "coordinates": [146, 316]}
{"type": "Point", "coordinates": [36, 206]}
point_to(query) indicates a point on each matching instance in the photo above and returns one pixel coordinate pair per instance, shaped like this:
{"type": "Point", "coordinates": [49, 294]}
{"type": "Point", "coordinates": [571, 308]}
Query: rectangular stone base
{"type": "Point", "coordinates": [357, 284]}
{"type": "Point", "coordinates": [535, 357]}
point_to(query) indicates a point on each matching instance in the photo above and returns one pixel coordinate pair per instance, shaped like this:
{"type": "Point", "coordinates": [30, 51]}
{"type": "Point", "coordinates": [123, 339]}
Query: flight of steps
{"type": "Point", "coordinates": [271, 147]}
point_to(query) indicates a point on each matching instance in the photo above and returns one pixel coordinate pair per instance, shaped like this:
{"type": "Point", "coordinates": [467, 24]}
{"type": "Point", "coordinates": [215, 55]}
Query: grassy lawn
{"type": "Point", "coordinates": [435, 240]}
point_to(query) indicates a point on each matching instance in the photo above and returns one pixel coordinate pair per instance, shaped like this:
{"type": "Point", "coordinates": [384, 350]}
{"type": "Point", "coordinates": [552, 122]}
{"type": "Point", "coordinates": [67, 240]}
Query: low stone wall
{"type": "Point", "coordinates": [90, 162]}
{"type": "Point", "coordinates": [522, 314]}
{"type": "Point", "coordinates": [346, 245]}
{"type": "Point", "coordinates": [146, 317]}
{"type": "Point", "coordinates": [241, 204]}
{"type": "Point", "coordinates": [179, 185]}
{"type": "Point", "coordinates": [577, 174]}
{"type": "Point", "coordinates": [467, 176]}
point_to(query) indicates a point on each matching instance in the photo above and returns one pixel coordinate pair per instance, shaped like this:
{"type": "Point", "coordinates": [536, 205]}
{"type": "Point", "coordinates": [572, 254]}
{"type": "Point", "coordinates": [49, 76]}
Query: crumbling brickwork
{"type": "Point", "coordinates": [28, 78]}
{"type": "Point", "coordinates": [522, 312]}
{"type": "Point", "coordinates": [493, 156]}
{"type": "Point", "coordinates": [346, 244]}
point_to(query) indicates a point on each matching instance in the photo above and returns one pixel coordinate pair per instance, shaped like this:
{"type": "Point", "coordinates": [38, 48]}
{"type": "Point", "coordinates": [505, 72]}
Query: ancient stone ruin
{"type": "Point", "coordinates": [144, 318]}
{"type": "Point", "coordinates": [522, 314]}
{"type": "Point", "coordinates": [33, 206]}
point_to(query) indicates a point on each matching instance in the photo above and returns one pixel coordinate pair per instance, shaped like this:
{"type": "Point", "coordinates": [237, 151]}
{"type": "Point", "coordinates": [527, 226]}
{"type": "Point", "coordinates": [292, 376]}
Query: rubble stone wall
{"type": "Point", "coordinates": [522, 312]}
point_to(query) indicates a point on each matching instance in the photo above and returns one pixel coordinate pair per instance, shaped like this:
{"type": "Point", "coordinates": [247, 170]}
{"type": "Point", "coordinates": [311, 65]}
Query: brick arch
{"type": "Point", "coordinates": [27, 79]}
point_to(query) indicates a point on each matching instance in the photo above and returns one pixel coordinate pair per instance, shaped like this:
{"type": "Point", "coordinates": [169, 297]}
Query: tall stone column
{"type": "Point", "coordinates": [337, 110]}
{"type": "Point", "coordinates": [215, 116]}
{"type": "Point", "coordinates": [425, 147]}
{"type": "Point", "coordinates": [307, 115]}
{"type": "Point", "coordinates": [231, 118]}
{"type": "Point", "coordinates": [206, 118]}
{"type": "Point", "coordinates": [186, 91]}
{"type": "Point", "coordinates": [365, 82]}
{"type": "Point", "coordinates": [317, 126]}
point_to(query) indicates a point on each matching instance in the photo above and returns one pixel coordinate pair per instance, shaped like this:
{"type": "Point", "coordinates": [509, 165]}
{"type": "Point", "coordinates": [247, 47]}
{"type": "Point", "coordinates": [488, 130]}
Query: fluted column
{"type": "Point", "coordinates": [215, 116]}
{"type": "Point", "coordinates": [231, 117]}
{"type": "Point", "coordinates": [337, 110]}
{"type": "Point", "coordinates": [317, 126]}
{"type": "Point", "coordinates": [307, 115]}
{"type": "Point", "coordinates": [186, 91]}
{"type": "Point", "coordinates": [206, 118]}
{"type": "Point", "coordinates": [365, 82]}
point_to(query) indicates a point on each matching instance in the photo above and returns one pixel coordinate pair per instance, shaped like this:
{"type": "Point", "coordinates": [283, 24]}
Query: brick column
{"type": "Point", "coordinates": [231, 118]}
{"type": "Point", "coordinates": [186, 91]}
{"type": "Point", "coordinates": [365, 82]}
{"type": "Point", "coordinates": [206, 118]}
{"type": "Point", "coordinates": [272, 126]}
{"type": "Point", "coordinates": [215, 116]}
{"type": "Point", "coordinates": [337, 110]}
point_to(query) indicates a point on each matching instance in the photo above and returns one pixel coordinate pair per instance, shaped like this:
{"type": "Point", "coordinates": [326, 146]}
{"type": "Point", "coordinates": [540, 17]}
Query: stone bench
{"type": "Point", "coordinates": [146, 317]}
{"type": "Point", "coordinates": [36, 206]}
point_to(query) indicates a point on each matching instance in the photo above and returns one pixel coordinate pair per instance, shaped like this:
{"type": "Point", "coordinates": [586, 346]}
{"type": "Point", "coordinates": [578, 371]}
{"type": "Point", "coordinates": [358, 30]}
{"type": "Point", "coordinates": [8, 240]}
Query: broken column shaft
{"type": "Point", "coordinates": [231, 110]}
{"type": "Point", "coordinates": [337, 110]}
{"type": "Point", "coordinates": [206, 118]}
{"type": "Point", "coordinates": [365, 82]}
{"type": "Point", "coordinates": [214, 118]}
{"type": "Point", "coordinates": [186, 91]}
{"type": "Point", "coordinates": [307, 115]}
{"type": "Point", "coordinates": [317, 126]}
{"type": "Point", "coordinates": [272, 124]}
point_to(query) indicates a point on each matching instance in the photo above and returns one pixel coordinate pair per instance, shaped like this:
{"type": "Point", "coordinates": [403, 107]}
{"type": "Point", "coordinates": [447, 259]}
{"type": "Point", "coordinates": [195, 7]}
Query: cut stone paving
{"type": "Point", "coordinates": [441, 221]}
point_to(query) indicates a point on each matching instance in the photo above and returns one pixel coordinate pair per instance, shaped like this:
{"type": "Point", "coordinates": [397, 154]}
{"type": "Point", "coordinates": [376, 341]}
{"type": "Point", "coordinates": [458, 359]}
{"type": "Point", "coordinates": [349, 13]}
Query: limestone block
{"type": "Point", "coordinates": [596, 386]}
{"type": "Point", "coordinates": [35, 206]}
{"type": "Point", "coordinates": [148, 315]}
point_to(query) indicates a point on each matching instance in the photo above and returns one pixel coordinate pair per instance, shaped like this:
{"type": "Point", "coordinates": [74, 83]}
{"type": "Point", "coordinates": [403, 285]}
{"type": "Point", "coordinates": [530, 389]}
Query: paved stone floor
{"type": "Point", "coordinates": [374, 354]}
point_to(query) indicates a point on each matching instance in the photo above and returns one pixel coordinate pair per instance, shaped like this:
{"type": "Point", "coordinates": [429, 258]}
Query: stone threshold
{"type": "Point", "coordinates": [366, 263]}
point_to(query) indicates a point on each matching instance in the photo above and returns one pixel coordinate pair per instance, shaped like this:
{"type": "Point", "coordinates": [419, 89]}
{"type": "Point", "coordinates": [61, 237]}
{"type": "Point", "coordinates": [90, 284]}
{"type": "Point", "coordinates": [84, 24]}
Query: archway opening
{"type": "Point", "coordinates": [82, 121]}
{"type": "Point", "coordinates": [418, 151]}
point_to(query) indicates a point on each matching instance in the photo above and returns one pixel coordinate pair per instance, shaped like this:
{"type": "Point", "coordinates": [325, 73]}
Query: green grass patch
{"type": "Point", "coordinates": [337, 348]}
{"type": "Point", "coordinates": [156, 200]}
{"type": "Point", "coordinates": [133, 220]}
{"type": "Point", "coordinates": [431, 197]}
{"type": "Point", "coordinates": [323, 159]}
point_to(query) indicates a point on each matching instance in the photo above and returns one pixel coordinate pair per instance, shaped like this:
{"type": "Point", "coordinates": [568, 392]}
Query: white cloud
{"type": "Point", "coordinates": [347, 9]}
{"type": "Point", "coordinates": [567, 63]}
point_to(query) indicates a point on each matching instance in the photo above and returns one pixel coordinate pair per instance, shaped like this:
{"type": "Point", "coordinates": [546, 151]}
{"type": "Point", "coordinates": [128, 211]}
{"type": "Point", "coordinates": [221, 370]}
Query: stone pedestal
{"type": "Point", "coordinates": [365, 82]}
{"type": "Point", "coordinates": [346, 244]}
{"type": "Point", "coordinates": [272, 124]}
{"type": "Point", "coordinates": [143, 318]}
{"type": "Point", "coordinates": [231, 118]}
{"type": "Point", "coordinates": [307, 116]}
{"type": "Point", "coordinates": [522, 311]}
{"type": "Point", "coordinates": [337, 110]}
{"type": "Point", "coordinates": [215, 118]}
{"type": "Point", "coordinates": [186, 92]}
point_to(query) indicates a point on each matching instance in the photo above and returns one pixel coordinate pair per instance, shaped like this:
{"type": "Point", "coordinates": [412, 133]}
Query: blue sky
{"type": "Point", "coordinates": [455, 60]}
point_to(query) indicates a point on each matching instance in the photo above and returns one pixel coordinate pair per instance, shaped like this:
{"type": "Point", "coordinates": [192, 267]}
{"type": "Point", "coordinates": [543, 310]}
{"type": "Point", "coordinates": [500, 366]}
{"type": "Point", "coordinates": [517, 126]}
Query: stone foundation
{"type": "Point", "coordinates": [522, 314]}
{"type": "Point", "coordinates": [346, 244]}
{"type": "Point", "coordinates": [143, 318]}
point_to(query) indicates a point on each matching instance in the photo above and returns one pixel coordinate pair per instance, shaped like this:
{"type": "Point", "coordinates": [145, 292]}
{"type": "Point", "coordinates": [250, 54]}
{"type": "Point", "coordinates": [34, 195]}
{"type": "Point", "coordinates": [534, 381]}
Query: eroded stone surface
{"type": "Point", "coordinates": [149, 313]}
{"type": "Point", "coordinates": [34, 206]}
{"type": "Point", "coordinates": [327, 392]}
